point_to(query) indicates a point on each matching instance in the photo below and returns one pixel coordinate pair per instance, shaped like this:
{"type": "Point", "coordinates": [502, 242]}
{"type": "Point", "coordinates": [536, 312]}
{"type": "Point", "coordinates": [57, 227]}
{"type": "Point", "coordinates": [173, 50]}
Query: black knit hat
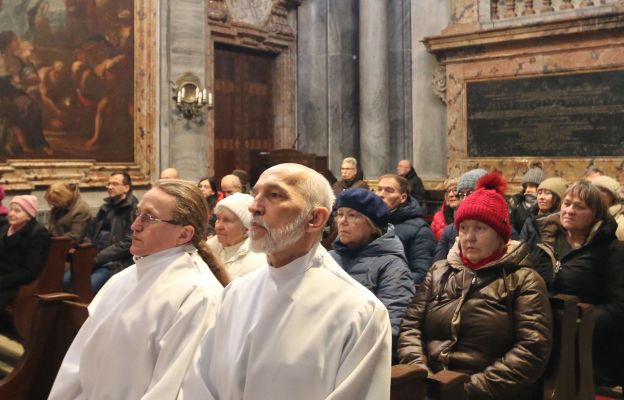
{"type": "Point", "coordinates": [367, 203]}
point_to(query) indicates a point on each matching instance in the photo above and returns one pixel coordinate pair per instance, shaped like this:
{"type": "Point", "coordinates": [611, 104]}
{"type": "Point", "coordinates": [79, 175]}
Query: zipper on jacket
{"type": "Point", "coordinates": [557, 267]}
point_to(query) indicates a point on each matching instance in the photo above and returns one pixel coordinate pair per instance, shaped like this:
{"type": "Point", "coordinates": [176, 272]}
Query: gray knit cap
{"type": "Point", "coordinates": [534, 175]}
{"type": "Point", "coordinates": [469, 179]}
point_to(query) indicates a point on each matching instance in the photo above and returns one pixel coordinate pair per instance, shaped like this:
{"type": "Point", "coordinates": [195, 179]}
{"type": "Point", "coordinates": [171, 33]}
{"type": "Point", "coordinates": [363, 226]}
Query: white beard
{"type": "Point", "coordinates": [277, 239]}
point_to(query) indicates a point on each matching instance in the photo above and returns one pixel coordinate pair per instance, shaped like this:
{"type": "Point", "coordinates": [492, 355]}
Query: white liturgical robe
{"type": "Point", "coordinates": [143, 328]}
{"type": "Point", "coordinates": [304, 331]}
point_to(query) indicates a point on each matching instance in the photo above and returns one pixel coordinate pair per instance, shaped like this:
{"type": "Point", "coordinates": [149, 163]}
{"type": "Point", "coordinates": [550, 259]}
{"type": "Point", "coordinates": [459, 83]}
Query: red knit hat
{"type": "Point", "coordinates": [487, 205]}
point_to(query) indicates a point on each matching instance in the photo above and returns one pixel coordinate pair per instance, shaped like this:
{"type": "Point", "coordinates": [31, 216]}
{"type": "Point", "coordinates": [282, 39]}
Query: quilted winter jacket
{"type": "Point", "coordinates": [493, 323]}
{"type": "Point", "coordinates": [416, 236]}
{"type": "Point", "coordinates": [380, 266]}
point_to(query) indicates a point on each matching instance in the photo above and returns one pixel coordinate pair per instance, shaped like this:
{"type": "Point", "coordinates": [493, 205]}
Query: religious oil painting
{"type": "Point", "coordinates": [67, 80]}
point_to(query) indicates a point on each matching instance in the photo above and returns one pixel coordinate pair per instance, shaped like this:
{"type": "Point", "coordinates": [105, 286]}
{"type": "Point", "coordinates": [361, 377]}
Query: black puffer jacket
{"type": "Point", "coordinates": [595, 273]}
{"type": "Point", "coordinates": [493, 323]}
{"type": "Point", "coordinates": [417, 238]}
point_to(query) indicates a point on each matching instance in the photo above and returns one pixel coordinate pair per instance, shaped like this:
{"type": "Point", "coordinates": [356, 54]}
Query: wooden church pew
{"type": "Point", "coordinates": [49, 280]}
{"type": "Point", "coordinates": [408, 382]}
{"type": "Point", "coordinates": [57, 319]}
{"type": "Point", "coordinates": [82, 261]}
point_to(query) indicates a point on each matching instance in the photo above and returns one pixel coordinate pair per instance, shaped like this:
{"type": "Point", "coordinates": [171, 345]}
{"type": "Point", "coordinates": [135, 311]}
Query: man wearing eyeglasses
{"type": "Point", "coordinates": [350, 179]}
{"type": "Point", "coordinates": [112, 235]}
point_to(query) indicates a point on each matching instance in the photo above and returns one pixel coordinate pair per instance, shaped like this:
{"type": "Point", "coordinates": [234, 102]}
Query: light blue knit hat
{"type": "Point", "coordinates": [469, 179]}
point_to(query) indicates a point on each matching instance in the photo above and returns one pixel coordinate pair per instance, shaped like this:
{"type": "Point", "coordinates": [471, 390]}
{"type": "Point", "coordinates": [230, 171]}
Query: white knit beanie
{"type": "Point", "coordinates": [238, 203]}
{"type": "Point", "coordinates": [610, 184]}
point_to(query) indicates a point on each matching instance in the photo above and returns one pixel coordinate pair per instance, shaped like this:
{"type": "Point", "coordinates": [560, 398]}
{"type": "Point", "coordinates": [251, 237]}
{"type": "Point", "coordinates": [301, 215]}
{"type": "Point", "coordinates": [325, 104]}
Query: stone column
{"type": "Point", "coordinates": [342, 91]}
{"type": "Point", "coordinates": [312, 77]}
{"type": "Point", "coordinates": [183, 143]}
{"type": "Point", "coordinates": [400, 80]}
{"type": "Point", "coordinates": [429, 18]}
{"type": "Point", "coordinates": [374, 118]}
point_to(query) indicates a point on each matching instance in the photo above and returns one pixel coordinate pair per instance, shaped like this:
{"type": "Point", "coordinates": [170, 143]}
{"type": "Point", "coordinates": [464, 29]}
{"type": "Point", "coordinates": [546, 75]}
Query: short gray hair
{"type": "Point", "coordinates": [350, 160]}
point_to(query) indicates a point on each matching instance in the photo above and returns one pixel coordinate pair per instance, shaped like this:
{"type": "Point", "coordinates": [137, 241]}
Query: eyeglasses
{"type": "Point", "coordinates": [350, 216]}
{"type": "Point", "coordinates": [464, 194]}
{"type": "Point", "coordinates": [452, 190]}
{"type": "Point", "coordinates": [147, 219]}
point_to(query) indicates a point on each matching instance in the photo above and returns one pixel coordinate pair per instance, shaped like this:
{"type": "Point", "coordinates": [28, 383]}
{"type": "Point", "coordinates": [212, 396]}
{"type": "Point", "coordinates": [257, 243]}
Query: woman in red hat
{"type": "Point", "coordinates": [480, 311]}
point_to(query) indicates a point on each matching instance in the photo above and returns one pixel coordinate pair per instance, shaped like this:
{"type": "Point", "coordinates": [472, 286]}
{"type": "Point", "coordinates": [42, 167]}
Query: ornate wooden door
{"type": "Point", "coordinates": [243, 107]}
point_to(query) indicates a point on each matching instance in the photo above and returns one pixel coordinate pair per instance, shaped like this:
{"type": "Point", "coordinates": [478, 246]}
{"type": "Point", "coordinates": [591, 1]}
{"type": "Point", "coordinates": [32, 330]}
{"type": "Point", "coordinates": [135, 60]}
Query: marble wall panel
{"type": "Point", "coordinates": [429, 115]}
{"type": "Point", "coordinates": [183, 143]}
{"type": "Point", "coordinates": [523, 53]}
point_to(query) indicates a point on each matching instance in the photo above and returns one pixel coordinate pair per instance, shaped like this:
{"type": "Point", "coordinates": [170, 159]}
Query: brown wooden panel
{"type": "Point", "coordinates": [243, 107]}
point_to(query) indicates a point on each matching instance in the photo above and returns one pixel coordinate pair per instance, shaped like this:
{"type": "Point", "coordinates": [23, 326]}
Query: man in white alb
{"type": "Point", "coordinates": [300, 327]}
{"type": "Point", "coordinates": [146, 322]}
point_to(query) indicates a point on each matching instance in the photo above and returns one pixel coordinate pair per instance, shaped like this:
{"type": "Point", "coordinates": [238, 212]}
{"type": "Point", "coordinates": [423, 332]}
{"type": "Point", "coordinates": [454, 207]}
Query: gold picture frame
{"type": "Point", "coordinates": [30, 173]}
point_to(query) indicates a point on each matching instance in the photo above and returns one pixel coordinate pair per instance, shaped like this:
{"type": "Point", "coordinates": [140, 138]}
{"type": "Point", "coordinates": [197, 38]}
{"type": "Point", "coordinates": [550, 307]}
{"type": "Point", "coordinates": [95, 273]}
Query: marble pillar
{"type": "Point", "coordinates": [312, 105]}
{"type": "Point", "coordinates": [327, 99]}
{"type": "Point", "coordinates": [400, 80]}
{"type": "Point", "coordinates": [429, 155]}
{"type": "Point", "coordinates": [183, 41]}
{"type": "Point", "coordinates": [342, 91]}
{"type": "Point", "coordinates": [374, 118]}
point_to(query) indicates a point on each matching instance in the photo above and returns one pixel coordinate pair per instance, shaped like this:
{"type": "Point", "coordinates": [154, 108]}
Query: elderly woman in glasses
{"type": "Point", "coordinates": [147, 320]}
{"type": "Point", "coordinates": [368, 250]}
{"type": "Point", "coordinates": [444, 217]}
{"type": "Point", "coordinates": [480, 311]}
{"type": "Point", "coordinates": [579, 254]}
{"type": "Point", "coordinates": [465, 186]}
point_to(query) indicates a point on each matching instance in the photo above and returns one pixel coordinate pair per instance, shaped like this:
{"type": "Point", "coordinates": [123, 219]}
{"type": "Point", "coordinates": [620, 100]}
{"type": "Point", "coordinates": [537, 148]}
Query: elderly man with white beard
{"type": "Point", "coordinates": [300, 327]}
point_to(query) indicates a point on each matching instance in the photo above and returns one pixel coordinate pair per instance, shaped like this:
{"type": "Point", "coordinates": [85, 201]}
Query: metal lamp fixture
{"type": "Point", "coordinates": [190, 97]}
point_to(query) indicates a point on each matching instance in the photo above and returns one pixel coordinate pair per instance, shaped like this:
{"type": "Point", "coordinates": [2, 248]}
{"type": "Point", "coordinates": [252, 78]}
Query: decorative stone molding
{"type": "Point", "coordinates": [217, 10]}
{"type": "Point", "coordinates": [439, 83]}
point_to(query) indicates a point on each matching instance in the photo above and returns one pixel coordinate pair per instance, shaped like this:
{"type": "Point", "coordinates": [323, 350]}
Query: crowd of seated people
{"type": "Point", "coordinates": [470, 295]}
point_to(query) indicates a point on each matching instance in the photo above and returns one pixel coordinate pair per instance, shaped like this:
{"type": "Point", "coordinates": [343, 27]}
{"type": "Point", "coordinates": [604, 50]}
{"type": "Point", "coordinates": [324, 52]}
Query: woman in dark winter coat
{"type": "Point", "coordinates": [549, 195]}
{"type": "Point", "coordinates": [580, 255]}
{"type": "Point", "coordinates": [521, 205]}
{"type": "Point", "coordinates": [70, 215]}
{"type": "Point", "coordinates": [24, 247]}
{"type": "Point", "coordinates": [480, 311]}
{"type": "Point", "coordinates": [373, 258]}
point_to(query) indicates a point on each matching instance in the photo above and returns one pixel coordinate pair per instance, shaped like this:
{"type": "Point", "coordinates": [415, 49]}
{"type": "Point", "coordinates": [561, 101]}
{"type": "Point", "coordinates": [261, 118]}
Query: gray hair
{"type": "Point", "coordinates": [350, 160]}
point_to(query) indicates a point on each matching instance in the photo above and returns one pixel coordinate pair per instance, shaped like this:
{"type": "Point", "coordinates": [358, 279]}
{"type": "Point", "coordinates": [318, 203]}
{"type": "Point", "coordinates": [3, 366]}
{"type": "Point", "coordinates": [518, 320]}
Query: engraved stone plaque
{"type": "Point", "coordinates": [573, 115]}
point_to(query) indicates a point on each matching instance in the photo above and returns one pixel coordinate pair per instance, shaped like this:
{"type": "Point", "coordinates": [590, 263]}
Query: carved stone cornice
{"type": "Point", "coordinates": [476, 41]}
